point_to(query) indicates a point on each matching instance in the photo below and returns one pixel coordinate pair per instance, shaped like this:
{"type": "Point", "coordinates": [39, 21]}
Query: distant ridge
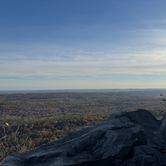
{"type": "Point", "coordinates": [73, 90]}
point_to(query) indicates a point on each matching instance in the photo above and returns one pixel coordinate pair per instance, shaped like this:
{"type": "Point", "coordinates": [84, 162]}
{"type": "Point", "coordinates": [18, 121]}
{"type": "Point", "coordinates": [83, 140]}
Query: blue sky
{"type": "Point", "coordinates": [82, 44]}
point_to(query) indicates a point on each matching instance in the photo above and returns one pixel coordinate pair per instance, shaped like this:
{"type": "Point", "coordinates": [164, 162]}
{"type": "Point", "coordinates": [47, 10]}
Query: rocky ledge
{"type": "Point", "coordinates": [125, 139]}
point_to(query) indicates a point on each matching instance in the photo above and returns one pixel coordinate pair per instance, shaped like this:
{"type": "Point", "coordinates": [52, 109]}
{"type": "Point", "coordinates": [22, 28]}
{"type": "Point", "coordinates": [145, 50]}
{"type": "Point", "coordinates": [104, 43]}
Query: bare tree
{"type": "Point", "coordinates": [163, 124]}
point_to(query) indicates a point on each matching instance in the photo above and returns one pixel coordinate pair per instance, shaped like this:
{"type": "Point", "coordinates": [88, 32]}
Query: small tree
{"type": "Point", "coordinates": [163, 124]}
{"type": "Point", "coordinates": [162, 101]}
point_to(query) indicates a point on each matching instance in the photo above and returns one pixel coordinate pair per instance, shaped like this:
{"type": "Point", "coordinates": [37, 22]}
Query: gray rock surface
{"type": "Point", "coordinates": [125, 139]}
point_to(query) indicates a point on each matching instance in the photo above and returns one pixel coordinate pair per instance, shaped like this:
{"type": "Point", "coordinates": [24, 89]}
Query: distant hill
{"type": "Point", "coordinates": [73, 90]}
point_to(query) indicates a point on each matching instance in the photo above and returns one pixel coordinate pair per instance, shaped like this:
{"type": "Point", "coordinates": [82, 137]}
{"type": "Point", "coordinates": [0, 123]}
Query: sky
{"type": "Point", "coordinates": [82, 44]}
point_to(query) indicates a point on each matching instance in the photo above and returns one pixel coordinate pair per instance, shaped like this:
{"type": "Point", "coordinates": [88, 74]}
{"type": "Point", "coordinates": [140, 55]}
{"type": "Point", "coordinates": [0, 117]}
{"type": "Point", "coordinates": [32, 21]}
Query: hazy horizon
{"type": "Point", "coordinates": [75, 90]}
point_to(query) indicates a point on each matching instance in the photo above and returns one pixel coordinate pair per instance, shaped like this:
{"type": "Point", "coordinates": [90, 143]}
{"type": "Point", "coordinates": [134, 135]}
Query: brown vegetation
{"type": "Point", "coordinates": [28, 121]}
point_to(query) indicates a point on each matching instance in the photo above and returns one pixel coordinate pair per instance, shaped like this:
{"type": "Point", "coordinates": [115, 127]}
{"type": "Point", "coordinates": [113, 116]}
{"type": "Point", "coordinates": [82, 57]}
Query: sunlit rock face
{"type": "Point", "coordinates": [125, 139]}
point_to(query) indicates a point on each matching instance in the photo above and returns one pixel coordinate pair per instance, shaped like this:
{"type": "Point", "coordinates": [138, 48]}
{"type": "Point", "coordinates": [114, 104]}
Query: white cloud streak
{"type": "Point", "coordinates": [40, 68]}
{"type": "Point", "coordinates": [145, 55]}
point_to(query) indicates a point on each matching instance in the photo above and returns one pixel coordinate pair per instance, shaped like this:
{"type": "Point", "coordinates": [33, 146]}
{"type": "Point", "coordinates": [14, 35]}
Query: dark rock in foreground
{"type": "Point", "coordinates": [126, 139]}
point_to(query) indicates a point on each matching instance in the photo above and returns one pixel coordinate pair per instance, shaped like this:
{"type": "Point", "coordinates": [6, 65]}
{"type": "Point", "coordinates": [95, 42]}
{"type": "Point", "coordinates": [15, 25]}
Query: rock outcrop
{"type": "Point", "coordinates": [125, 139]}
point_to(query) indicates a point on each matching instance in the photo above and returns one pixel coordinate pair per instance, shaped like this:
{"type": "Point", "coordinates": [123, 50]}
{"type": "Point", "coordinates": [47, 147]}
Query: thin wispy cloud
{"type": "Point", "coordinates": [41, 68]}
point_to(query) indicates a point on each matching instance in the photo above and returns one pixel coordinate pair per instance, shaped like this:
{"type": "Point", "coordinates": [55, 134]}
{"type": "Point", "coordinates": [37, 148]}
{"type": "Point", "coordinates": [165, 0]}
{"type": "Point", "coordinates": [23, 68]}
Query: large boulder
{"type": "Point", "coordinates": [126, 138]}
